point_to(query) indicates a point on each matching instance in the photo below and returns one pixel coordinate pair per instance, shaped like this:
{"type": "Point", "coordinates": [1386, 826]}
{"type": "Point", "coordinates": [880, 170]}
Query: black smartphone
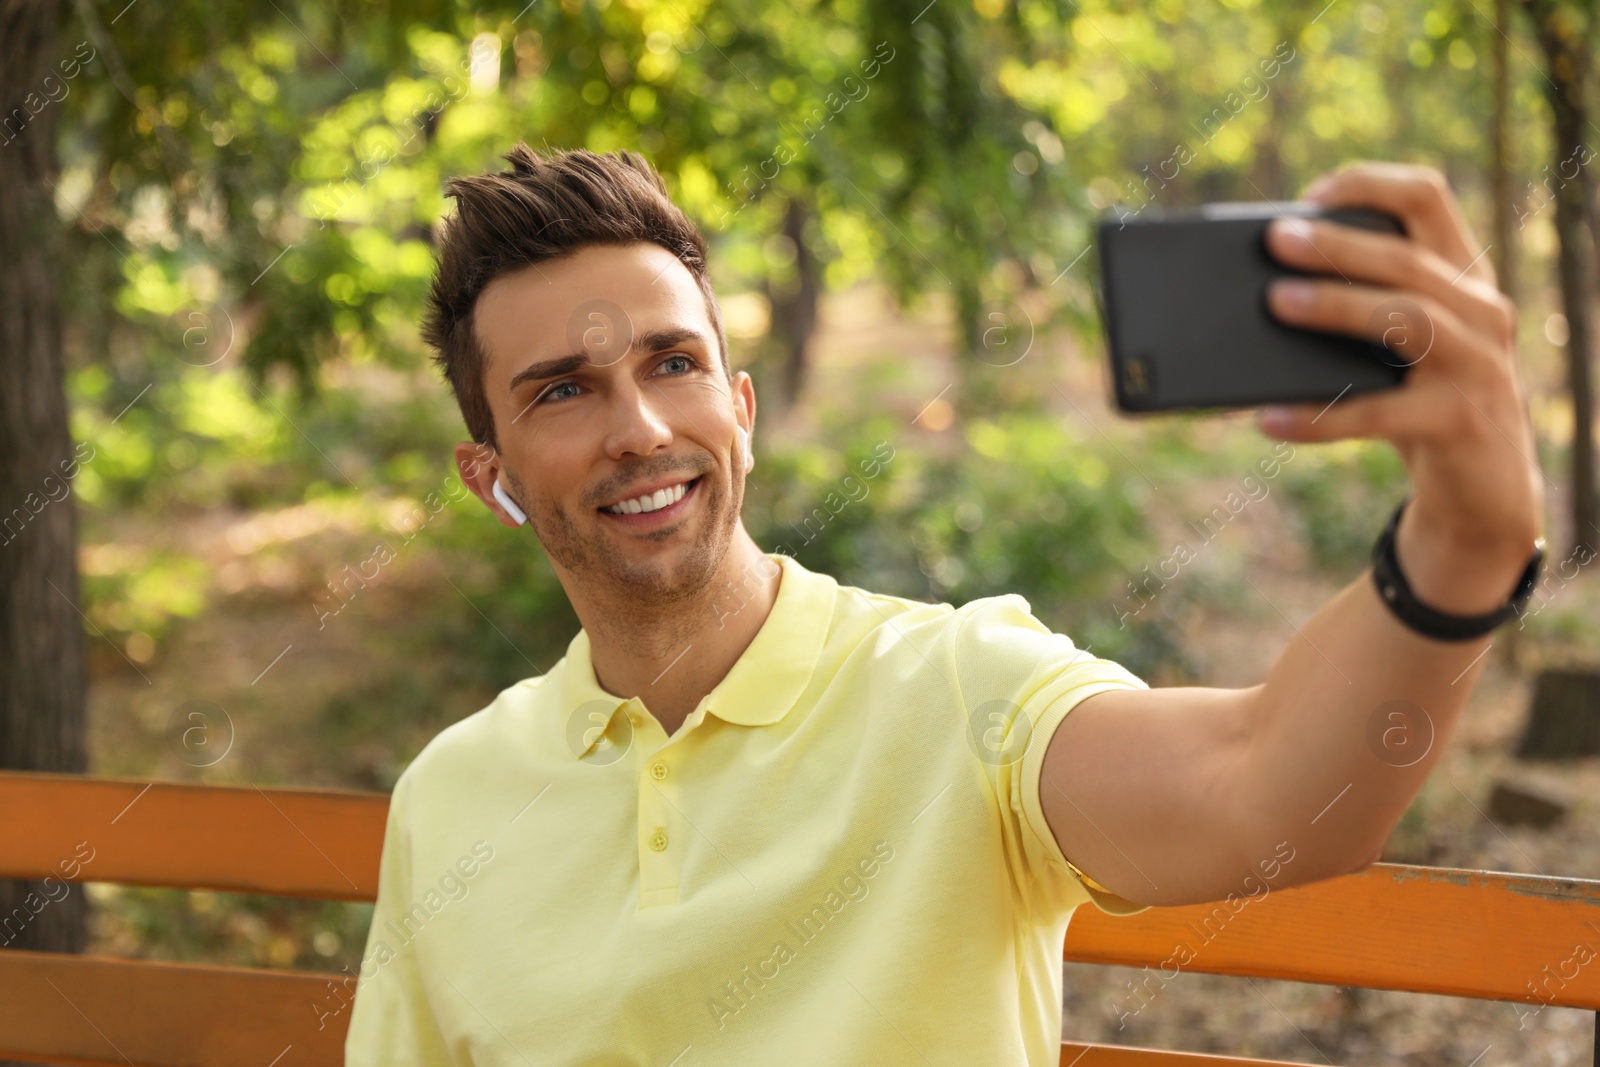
{"type": "Point", "coordinates": [1183, 299]}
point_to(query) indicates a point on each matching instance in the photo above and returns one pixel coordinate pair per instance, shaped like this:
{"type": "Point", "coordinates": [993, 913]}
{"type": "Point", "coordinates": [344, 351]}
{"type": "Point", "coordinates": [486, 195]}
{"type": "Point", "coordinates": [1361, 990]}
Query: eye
{"type": "Point", "coordinates": [551, 392]}
{"type": "Point", "coordinates": [688, 363]}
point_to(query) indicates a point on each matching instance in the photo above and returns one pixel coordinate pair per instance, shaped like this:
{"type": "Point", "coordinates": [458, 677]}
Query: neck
{"type": "Point", "coordinates": [670, 655]}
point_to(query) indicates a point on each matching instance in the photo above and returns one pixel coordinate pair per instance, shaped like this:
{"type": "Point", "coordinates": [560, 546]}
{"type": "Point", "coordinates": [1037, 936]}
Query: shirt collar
{"type": "Point", "coordinates": [764, 683]}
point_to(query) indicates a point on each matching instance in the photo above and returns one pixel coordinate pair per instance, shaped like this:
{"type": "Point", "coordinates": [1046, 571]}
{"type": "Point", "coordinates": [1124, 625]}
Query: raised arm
{"type": "Point", "coordinates": [1184, 795]}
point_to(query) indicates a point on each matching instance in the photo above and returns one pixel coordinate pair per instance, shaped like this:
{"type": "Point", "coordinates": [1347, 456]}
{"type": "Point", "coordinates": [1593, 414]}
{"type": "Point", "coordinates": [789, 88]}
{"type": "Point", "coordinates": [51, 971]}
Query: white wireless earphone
{"type": "Point", "coordinates": [744, 445]}
{"type": "Point", "coordinates": [510, 505]}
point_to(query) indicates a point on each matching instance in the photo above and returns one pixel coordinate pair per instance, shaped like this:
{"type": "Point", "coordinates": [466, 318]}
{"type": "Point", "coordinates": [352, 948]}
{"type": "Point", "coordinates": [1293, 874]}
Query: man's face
{"type": "Point", "coordinates": [604, 377]}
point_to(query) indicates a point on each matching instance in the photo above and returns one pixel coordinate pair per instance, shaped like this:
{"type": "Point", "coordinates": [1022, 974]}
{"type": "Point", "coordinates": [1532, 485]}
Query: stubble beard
{"type": "Point", "coordinates": [636, 585]}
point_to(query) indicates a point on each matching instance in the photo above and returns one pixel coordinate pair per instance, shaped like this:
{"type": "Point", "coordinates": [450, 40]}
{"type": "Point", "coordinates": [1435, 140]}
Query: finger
{"type": "Point", "coordinates": [1435, 414]}
{"type": "Point", "coordinates": [1401, 415]}
{"type": "Point", "coordinates": [1412, 326]}
{"type": "Point", "coordinates": [1394, 262]}
{"type": "Point", "coordinates": [1423, 201]}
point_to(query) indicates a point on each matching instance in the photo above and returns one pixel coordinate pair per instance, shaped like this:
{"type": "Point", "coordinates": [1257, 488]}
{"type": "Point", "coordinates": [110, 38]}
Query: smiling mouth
{"type": "Point", "coordinates": [650, 504]}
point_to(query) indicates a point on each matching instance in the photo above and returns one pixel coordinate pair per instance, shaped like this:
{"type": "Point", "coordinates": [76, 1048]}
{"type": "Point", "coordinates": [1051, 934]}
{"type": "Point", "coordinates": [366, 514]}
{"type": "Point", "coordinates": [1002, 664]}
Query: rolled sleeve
{"type": "Point", "coordinates": [1011, 668]}
{"type": "Point", "coordinates": [1090, 676]}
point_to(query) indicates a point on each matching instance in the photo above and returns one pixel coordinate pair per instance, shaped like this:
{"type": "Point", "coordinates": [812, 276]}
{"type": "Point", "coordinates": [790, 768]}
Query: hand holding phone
{"type": "Point", "coordinates": [1456, 409]}
{"type": "Point", "coordinates": [1187, 324]}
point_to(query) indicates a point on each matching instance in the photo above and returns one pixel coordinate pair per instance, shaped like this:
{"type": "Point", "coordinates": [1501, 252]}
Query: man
{"type": "Point", "coordinates": [755, 816]}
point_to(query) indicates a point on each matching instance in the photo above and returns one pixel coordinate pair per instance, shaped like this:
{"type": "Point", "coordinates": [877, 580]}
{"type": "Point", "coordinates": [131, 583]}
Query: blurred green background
{"type": "Point", "coordinates": [898, 198]}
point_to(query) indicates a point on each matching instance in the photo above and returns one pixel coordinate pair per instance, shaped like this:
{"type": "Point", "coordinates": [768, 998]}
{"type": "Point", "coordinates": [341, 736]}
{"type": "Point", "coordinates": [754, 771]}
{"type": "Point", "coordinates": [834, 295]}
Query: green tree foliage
{"type": "Point", "coordinates": [285, 163]}
{"type": "Point", "coordinates": [251, 189]}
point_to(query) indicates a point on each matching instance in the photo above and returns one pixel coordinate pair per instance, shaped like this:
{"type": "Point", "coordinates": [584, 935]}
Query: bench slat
{"type": "Point", "coordinates": [1429, 930]}
{"type": "Point", "coordinates": [323, 844]}
{"type": "Point", "coordinates": [108, 1013]}
{"type": "Point", "coordinates": [88, 1010]}
{"type": "Point", "coordinates": [1421, 929]}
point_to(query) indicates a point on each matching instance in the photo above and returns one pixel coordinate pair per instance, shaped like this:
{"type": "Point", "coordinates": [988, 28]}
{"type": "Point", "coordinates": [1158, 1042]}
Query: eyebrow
{"type": "Point", "coordinates": [650, 342]}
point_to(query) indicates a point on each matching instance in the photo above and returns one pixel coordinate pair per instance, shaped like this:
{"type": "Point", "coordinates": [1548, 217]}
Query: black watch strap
{"type": "Point", "coordinates": [1397, 594]}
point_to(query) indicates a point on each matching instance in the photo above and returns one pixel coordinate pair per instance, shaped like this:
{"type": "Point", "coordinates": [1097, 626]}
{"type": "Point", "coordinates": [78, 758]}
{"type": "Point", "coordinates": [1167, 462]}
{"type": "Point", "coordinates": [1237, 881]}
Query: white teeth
{"type": "Point", "coordinates": [654, 502]}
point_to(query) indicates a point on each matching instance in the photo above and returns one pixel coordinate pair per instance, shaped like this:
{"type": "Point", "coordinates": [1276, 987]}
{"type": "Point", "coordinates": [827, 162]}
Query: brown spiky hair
{"type": "Point", "coordinates": [544, 208]}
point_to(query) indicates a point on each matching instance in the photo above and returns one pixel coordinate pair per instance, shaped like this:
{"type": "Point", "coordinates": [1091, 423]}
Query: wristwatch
{"type": "Point", "coordinates": [1397, 594]}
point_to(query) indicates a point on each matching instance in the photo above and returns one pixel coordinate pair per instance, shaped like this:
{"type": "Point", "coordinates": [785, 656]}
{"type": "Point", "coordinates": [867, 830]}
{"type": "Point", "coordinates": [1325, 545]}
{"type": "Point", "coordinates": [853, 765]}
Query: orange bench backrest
{"type": "Point", "coordinates": [1427, 930]}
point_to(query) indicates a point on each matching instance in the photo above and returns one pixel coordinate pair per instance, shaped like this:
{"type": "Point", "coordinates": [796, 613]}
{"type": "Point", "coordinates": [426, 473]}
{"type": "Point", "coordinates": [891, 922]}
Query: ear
{"type": "Point", "coordinates": [744, 414]}
{"type": "Point", "coordinates": [480, 466]}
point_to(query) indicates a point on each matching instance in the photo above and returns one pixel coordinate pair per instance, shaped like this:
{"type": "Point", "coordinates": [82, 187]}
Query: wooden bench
{"type": "Point", "coordinates": [1428, 930]}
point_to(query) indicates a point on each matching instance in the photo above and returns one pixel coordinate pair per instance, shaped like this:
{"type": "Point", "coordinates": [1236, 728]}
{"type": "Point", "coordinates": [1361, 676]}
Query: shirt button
{"type": "Point", "coordinates": [658, 770]}
{"type": "Point", "coordinates": [658, 841]}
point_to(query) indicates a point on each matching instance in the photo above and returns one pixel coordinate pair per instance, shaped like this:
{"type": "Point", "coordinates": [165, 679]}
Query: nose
{"type": "Point", "coordinates": [636, 425]}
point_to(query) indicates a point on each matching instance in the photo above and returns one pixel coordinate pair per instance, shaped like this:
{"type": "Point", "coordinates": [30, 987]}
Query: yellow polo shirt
{"type": "Point", "coordinates": [839, 858]}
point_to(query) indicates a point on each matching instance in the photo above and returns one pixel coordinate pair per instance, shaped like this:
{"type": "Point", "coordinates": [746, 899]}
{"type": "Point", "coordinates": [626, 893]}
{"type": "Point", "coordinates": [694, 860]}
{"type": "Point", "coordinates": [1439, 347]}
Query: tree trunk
{"type": "Point", "coordinates": [41, 633]}
{"type": "Point", "coordinates": [1505, 258]}
{"type": "Point", "coordinates": [1563, 718]}
{"type": "Point", "coordinates": [794, 305]}
{"type": "Point", "coordinates": [1269, 180]}
{"type": "Point", "coordinates": [1562, 35]}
